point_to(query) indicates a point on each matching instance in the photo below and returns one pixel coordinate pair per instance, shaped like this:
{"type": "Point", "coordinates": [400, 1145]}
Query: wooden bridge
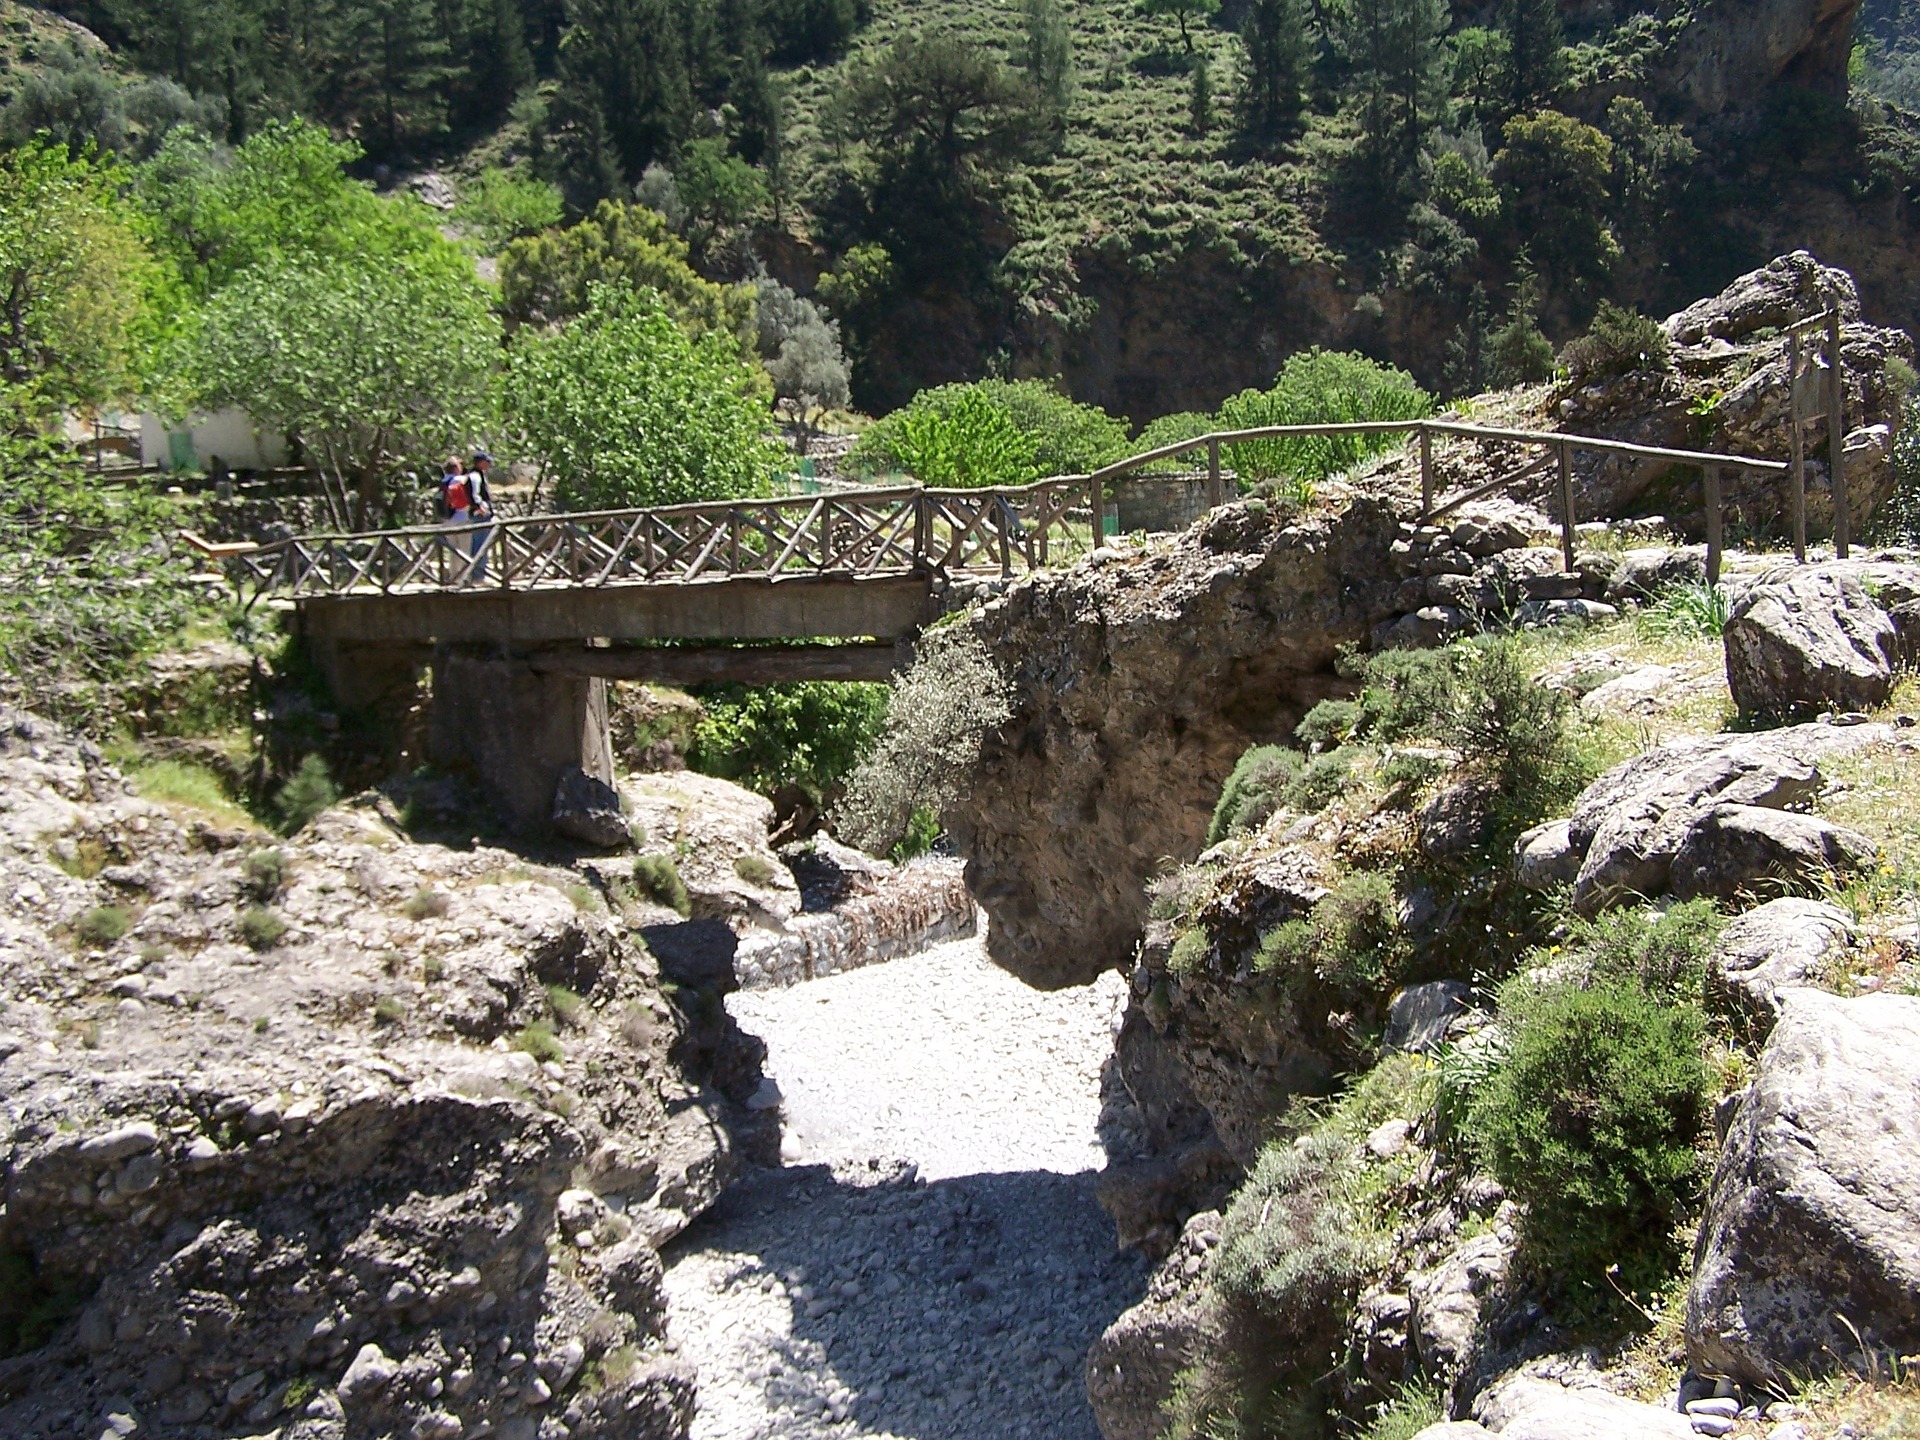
{"type": "Point", "coordinates": [523, 619]}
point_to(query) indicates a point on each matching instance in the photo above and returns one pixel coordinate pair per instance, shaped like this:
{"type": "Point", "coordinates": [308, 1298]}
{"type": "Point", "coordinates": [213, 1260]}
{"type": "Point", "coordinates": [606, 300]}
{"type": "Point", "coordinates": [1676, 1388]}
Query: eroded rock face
{"type": "Point", "coordinates": [1133, 1368]}
{"type": "Point", "coordinates": [1814, 1212]}
{"type": "Point", "coordinates": [270, 1126]}
{"type": "Point", "coordinates": [1137, 682]}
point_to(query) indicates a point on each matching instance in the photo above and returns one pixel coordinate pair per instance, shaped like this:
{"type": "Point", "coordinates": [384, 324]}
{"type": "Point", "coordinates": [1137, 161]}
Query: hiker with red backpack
{"type": "Point", "coordinates": [469, 503]}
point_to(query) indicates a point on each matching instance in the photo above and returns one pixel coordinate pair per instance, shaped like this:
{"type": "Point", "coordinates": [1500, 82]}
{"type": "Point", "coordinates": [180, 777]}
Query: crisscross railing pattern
{"type": "Point", "coordinates": [854, 533]}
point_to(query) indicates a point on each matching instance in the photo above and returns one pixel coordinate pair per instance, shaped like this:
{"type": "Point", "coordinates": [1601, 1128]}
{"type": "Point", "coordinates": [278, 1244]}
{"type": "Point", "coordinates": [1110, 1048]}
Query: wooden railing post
{"type": "Point", "coordinates": [1710, 478]}
{"type": "Point", "coordinates": [1796, 457]}
{"type": "Point", "coordinates": [1216, 495]}
{"type": "Point", "coordinates": [1566, 503]}
{"type": "Point", "coordinates": [1836, 436]}
{"type": "Point", "coordinates": [1099, 519]}
{"type": "Point", "coordinates": [1426, 474]}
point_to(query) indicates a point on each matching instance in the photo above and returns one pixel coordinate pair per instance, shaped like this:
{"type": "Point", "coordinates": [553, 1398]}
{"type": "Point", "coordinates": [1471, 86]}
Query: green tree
{"type": "Point", "coordinates": [938, 97]}
{"type": "Point", "coordinates": [1536, 54]}
{"type": "Point", "coordinates": [1276, 51]}
{"type": "Point", "coordinates": [1397, 52]}
{"type": "Point", "coordinates": [75, 281]}
{"type": "Point", "coordinates": [795, 744]}
{"type": "Point", "coordinates": [1049, 52]}
{"type": "Point", "coordinates": [626, 92]}
{"type": "Point", "coordinates": [1650, 165]}
{"type": "Point", "coordinates": [374, 365]}
{"type": "Point", "coordinates": [1183, 12]}
{"type": "Point", "coordinates": [622, 407]}
{"type": "Point", "coordinates": [548, 278]}
{"type": "Point", "coordinates": [393, 65]}
{"type": "Point", "coordinates": [495, 60]}
{"type": "Point", "coordinates": [953, 436]}
{"type": "Point", "coordinates": [1482, 73]}
{"type": "Point", "coordinates": [1317, 387]}
{"type": "Point", "coordinates": [1553, 172]}
{"type": "Point", "coordinates": [719, 189]}
{"type": "Point", "coordinates": [501, 207]}
{"type": "Point", "coordinates": [1200, 99]}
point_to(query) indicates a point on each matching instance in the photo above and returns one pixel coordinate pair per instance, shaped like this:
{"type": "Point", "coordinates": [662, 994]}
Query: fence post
{"type": "Point", "coordinates": [1796, 444]}
{"type": "Point", "coordinates": [1836, 436]}
{"type": "Point", "coordinates": [1214, 495]}
{"type": "Point", "coordinates": [1426, 475]}
{"type": "Point", "coordinates": [1711, 479]}
{"type": "Point", "coordinates": [1566, 503]}
{"type": "Point", "coordinates": [1099, 524]}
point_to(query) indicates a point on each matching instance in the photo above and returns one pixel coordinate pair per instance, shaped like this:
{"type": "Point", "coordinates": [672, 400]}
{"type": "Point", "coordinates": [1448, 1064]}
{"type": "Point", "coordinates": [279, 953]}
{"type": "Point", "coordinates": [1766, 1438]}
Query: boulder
{"type": "Point", "coordinates": [1447, 1301]}
{"type": "Point", "coordinates": [1809, 1251]}
{"type": "Point", "coordinates": [1809, 638]}
{"type": "Point", "coordinates": [1643, 573]}
{"type": "Point", "coordinates": [1525, 1407]}
{"type": "Point", "coordinates": [588, 810]}
{"type": "Point", "coordinates": [1546, 856]}
{"type": "Point", "coordinates": [1741, 850]}
{"type": "Point", "coordinates": [1135, 1365]}
{"type": "Point", "coordinates": [1771, 947]}
{"type": "Point", "coordinates": [1420, 1014]}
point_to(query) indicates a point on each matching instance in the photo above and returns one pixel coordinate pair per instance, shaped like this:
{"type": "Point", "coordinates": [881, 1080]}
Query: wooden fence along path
{"type": "Point", "coordinates": [860, 533]}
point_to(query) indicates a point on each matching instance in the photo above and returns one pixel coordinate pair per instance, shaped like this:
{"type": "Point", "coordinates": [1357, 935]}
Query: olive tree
{"type": "Point", "coordinates": [800, 348]}
{"type": "Point", "coordinates": [372, 367]}
{"type": "Point", "coordinates": [621, 406]}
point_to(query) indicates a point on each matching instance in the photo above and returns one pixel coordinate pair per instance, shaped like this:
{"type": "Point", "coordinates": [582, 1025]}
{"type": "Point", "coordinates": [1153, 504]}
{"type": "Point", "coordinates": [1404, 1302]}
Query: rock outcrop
{"type": "Point", "coordinates": [1821, 636]}
{"type": "Point", "coordinates": [1137, 681]}
{"type": "Point", "coordinates": [1134, 1368]}
{"type": "Point", "coordinates": [1703, 816]}
{"type": "Point", "coordinates": [1809, 1252]}
{"type": "Point", "coordinates": [1527, 1407]}
{"type": "Point", "coordinates": [1769, 949]}
{"type": "Point", "coordinates": [339, 1135]}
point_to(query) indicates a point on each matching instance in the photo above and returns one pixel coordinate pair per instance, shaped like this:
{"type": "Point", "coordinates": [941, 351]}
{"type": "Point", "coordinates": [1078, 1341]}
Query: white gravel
{"type": "Point", "coordinates": [931, 1263]}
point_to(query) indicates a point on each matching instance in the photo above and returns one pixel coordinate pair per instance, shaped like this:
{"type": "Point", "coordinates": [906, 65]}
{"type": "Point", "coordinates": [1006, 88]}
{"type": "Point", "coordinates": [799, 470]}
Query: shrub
{"type": "Point", "coordinates": [102, 926]}
{"type": "Point", "coordinates": [1665, 952]}
{"type": "Point", "coordinates": [991, 432]}
{"type": "Point", "coordinates": [1321, 781]}
{"type": "Point", "coordinates": [1618, 342]}
{"type": "Point", "coordinates": [426, 904]}
{"type": "Point", "coordinates": [1329, 724]}
{"type": "Point", "coordinates": [939, 714]}
{"type": "Point", "coordinates": [1591, 1120]}
{"type": "Point", "coordinates": [1412, 1409]}
{"type": "Point", "coordinates": [923, 831]}
{"type": "Point", "coordinates": [567, 1007]}
{"type": "Point", "coordinates": [1688, 612]}
{"type": "Point", "coordinates": [1170, 430]}
{"type": "Point", "coordinates": [585, 898]}
{"type": "Point", "coordinates": [433, 969]}
{"type": "Point", "coordinates": [31, 1310]}
{"type": "Point", "coordinates": [1319, 387]}
{"type": "Point", "coordinates": [389, 1010]}
{"type": "Point", "coordinates": [753, 869]}
{"type": "Point", "coordinates": [1348, 941]}
{"type": "Point", "coordinates": [265, 872]}
{"type": "Point", "coordinates": [1189, 950]}
{"type": "Point", "coordinates": [657, 878]}
{"type": "Point", "coordinates": [807, 736]}
{"type": "Point", "coordinates": [1517, 731]}
{"type": "Point", "coordinates": [1253, 791]}
{"type": "Point", "coordinates": [537, 1040]}
{"type": "Point", "coordinates": [305, 795]}
{"type": "Point", "coordinates": [261, 928]}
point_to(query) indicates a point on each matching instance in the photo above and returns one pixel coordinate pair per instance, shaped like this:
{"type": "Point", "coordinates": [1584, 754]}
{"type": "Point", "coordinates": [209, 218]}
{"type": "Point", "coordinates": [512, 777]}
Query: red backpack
{"type": "Point", "coordinates": [458, 493]}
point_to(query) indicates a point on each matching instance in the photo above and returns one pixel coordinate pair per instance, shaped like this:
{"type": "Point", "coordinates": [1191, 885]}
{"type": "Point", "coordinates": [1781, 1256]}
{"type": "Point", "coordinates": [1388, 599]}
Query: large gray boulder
{"type": "Point", "coordinates": [1809, 1252]}
{"type": "Point", "coordinates": [1770, 948]}
{"type": "Point", "coordinates": [1815, 637]}
{"type": "Point", "coordinates": [1630, 829]}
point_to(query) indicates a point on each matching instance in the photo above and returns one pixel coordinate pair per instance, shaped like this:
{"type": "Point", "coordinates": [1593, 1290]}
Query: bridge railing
{"type": "Point", "coordinates": [1006, 530]}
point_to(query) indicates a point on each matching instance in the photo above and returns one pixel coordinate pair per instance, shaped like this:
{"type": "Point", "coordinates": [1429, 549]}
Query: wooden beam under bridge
{"type": "Point", "coordinates": [737, 664]}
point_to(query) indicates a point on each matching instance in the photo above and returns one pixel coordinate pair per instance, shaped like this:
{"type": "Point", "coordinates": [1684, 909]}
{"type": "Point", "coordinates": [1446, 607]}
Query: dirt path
{"type": "Point", "coordinates": [931, 1265]}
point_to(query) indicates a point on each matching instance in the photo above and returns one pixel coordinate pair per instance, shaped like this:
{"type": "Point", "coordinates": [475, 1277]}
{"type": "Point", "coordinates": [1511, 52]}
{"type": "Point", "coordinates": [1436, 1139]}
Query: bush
{"type": "Point", "coordinates": [939, 714]}
{"type": "Point", "coordinates": [305, 795]}
{"type": "Point", "coordinates": [1171, 429]}
{"type": "Point", "coordinates": [1688, 612]}
{"type": "Point", "coordinates": [753, 869]}
{"type": "Point", "coordinates": [991, 432]}
{"type": "Point", "coordinates": [537, 1040]}
{"type": "Point", "coordinates": [806, 736]}
{"type": "Point", "coordinates": [567, 1006]}
{"type": "Point", "coordinates": [502, 207]}
{"type": "Point", "coordinates": [265, 873]}
{"type": "Point", "coordinates": [1348, 942]}
{"type": "Point", "coordinates": [261, 928]}
{"type": "Point", "coordinates": [1319, 387]}
{"type": "Point", "coordinates": [1321, 781]}
{"type": "Point", "coordinates": [1591, 1119]}
{"type": "Point", "coordinates": [102, 926]}
{"type": "Point", "coordinates": [1253, 791]}
{"type": "Point", "coordinates": [1516, 730]}
{"type": "Point", "coordinates": [426, 903]}
{"type": "Point", "coordinates": [1618, 342]}
{"type": "Point", "coordinates": [657, 878]}
{"type": "Point", "coordinates": [923, 832]}
{"type": "Point", "coordinates": [389, 1010]}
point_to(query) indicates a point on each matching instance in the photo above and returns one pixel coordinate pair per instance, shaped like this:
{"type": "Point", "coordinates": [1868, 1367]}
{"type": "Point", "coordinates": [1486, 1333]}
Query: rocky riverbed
{"type": "Point", "coordinates": [932, 1263]}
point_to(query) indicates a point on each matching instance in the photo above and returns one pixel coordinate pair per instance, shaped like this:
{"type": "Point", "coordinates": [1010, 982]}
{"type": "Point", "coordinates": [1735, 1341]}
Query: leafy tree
{"type": "Point", "coordinates": [1396, 49]}
{"type": "Point", "coordinates": [625, 408]}
{"type": "Point", "coordinates": [548, 278]}
{"type": "Point", "coordinates": [1182, 11]}
{"type": "Point", "coordinates": [75, 99]}
{"type": "Point", "coordinates": [1049, 53]}
{"type": "Point", "coordinates": [1650, 164]}
{"type": "Point", "coordinates": [1482, 73]}
{"type": "Point", "coordinates": [1276, 51]}
{"type": "Point", "coordinates": [795, 742]}
{"type": "Point", "coordinates": [939, 97]}
{"type": "Point", "coordinates": [502, 207]}
{"type": "Point", "coordinates": [719, 189]}
{"type": "Point", "coordinates": [373, 365]}
{"type": "Point", "coordinates": [991, 432]}
{"type": "Point", "coordinates": [1536, 56]}
{"type": "Point", "coordinates": [1553, 172]}
{"type": "Point", "coordinates": [1319, 387]}
{"type": "Point", "coordinates": [800, 348]}
{"type": "Point", "coordinates": [74, 274]}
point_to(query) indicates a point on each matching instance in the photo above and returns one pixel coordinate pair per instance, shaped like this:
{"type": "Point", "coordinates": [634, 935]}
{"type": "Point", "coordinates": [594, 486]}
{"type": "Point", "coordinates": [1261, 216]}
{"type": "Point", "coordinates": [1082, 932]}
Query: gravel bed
{"type": "Point", "coordinates": [931, 1263]}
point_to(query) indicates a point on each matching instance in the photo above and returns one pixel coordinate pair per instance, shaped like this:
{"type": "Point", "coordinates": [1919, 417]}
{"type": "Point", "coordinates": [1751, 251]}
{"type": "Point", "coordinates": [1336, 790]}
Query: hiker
{"type": "Point", "coordinates": [480, 511]}
{"type": "Point", "coordinates": [453, 491]}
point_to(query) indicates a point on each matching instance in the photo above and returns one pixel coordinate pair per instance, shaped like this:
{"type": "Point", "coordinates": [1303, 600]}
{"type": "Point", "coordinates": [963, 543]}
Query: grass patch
{"type": "Point", "coordinates": [261, 928]}
{"type": "Point", "coordinates": [189, 787]}
{"type": "Point", "coordinates": [433, 969]}
{"type": "Point", "coordinates": [585, 898]}
{"type": "Point", "coordinates": [754, 869]}
{"type": "Point", "coordinates": [567, 1007]}
{"type": "Point", "coordinates": [83, 858]}
{"type": "Point", "coordinates": [657, 878]}
{"type": "Point", "coordinates": [538, 1041]}
{"type": "Point", "coordinates": [426, 903]}
{"type": "Point", "coordinates": [1409, 1412]}
{"type": "Point", "coordinates": [102, 926]}
{"type": "Point", "coordinates": [389, 1010]}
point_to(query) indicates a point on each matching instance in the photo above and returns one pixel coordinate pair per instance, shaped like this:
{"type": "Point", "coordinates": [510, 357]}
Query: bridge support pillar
{"type": "Point", "coordinates": [514, 730]}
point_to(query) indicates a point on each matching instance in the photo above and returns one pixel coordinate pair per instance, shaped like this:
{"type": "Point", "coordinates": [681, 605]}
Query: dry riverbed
{"type": "Point", "coordinates": [931, 1264]}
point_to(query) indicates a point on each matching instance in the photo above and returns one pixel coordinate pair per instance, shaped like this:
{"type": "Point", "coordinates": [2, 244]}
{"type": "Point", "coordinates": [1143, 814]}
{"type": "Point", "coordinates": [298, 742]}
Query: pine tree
{"type": "Point", "coordinates": [1535, 59]}
{"type": "Point", "coordinates": [496, 59]}
{"type": "Point", "coordinates": [393, 62]}
{"type": "Point", "coordinates": [1049, 51]}
{"type": "Point", "coordinates": [1397, 52]}
{"type": "Point", "coordinates": [1200, 99]}
{"type": "Point", "coordinates": [1276, 49]}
